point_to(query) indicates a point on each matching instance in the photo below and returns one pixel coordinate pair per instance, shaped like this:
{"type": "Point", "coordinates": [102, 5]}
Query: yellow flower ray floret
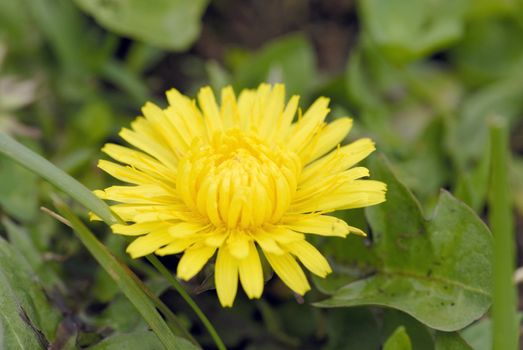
{"type": "Point", "coordinates": [238, 179]}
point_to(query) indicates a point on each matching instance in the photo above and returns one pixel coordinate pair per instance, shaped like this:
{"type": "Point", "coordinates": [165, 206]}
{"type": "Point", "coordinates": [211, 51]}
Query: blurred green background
{"type": "Point", "coordinates": [421, 77]}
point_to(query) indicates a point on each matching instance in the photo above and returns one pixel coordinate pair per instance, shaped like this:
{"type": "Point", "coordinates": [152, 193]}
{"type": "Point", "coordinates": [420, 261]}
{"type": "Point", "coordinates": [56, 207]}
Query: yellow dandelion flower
{"type": "Point", "coordinates": [237, 179]}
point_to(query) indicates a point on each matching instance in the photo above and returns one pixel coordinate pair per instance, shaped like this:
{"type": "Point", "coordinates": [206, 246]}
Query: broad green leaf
{"type": "Point", "coordinates": [27, 321]}
{"type": "Point", "coordinates": [289, 60]}
{"type": "Point", "coordinates": [353, 258]}
{"type": "Point", "coordinates": [169, 24]}
{"type": "Point", "coordinates": [18, 190]}
{"type": "Point", "coordinates": [438, 270]}
{"type": "Point", "coordinates": [399, 340]}
{"type": "Point", "coordinates": [410, 29]}
{"type": "Point", "coordinates": [450, 341]}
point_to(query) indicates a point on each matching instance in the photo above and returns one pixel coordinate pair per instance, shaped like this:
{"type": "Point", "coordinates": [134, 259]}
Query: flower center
{"type": "Point", "coordinates": [237, 180]}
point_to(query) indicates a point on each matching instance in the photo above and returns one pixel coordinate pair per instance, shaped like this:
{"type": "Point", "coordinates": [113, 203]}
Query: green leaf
{"type": "Point", "coordinates": [399, 340]}
{"type": "Point", "coordinates": [289, 60]}
{"type": "Point", "coordinates": [27, 321]}
{"type": "Point", "coordinates": [438, 270]}
{"type": "Point", "coordinates": [169, 24]}
{"type": "Point", "coordinates": [450, 341]}
{"type": "Point", "coordinates": [420, 336]}
{"type": "Point", "coordinates": [410, 29]}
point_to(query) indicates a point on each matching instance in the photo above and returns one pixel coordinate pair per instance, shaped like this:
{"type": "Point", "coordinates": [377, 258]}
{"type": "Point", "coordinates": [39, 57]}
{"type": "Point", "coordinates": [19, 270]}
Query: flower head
{"type": "Point", "coordinates": [238, 179]}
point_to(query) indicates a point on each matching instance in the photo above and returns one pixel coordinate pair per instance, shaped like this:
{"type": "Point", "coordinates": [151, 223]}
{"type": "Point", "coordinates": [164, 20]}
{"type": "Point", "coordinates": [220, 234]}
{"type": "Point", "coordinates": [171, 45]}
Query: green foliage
{"type": "Point", "coordinates": [450, 341]}
{"type": "Point", "coordinates": [399, 340]}
{"type": "Point", "coordinates": [27, 320]}
{"type": "Point", "coordinates": [422, 78]}
{"type": "Point", "coordinates": [437, 270]}
{"type": "Point", "coordinates": [18, 190]}
{"type": "Point", "coordinates": [407, 30]}
{"type": "Point", "coordinates": [290, 60]}
{"type": "Point", "coordinates": [45, 169]}
{"type": "Point", "coordinates": [167, 24]}
{"type": "Point", "coordinates": [131, 286]}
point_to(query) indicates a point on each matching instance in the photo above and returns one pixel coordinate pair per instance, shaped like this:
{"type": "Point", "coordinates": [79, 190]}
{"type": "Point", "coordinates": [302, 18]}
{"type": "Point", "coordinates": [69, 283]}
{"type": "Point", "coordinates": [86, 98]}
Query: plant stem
{"type": "Point", "coordinates": [126, 280]}
{"type": "Point", "coordinates": [504, 302]}
{"type": "Point", "coordinates": [183, 293]}
{"type": "Point", "coordinates": [79, 192]}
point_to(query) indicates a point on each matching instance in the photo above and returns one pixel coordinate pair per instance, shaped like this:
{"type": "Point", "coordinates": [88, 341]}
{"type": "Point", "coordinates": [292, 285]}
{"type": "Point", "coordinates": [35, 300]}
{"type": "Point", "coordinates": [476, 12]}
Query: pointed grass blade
{"type": "Point", "coordinates": [126, 280]}
{"type": "Point", "coordinates": [41, 166]}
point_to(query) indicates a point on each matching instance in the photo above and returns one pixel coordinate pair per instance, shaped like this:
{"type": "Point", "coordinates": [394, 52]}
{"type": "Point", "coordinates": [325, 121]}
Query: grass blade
{"type": "Point", "coordinates": [41, 166]}
{"type": "Point", "coordinates": [504, 302]}
{"type": "Point", "coordinates": [126, 280]}
{"type": "Point", "coordinates": [79, 192]}
{"type": "Point", "coordinates": [183, 293]}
